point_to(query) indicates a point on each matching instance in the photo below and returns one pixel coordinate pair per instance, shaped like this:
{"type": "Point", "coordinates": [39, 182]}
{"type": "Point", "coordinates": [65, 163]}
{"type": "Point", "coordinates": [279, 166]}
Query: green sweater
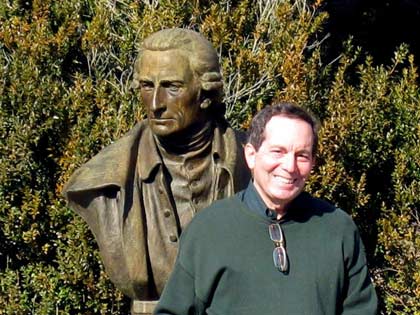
{"type": "Point", "coordinates": [225, 264]}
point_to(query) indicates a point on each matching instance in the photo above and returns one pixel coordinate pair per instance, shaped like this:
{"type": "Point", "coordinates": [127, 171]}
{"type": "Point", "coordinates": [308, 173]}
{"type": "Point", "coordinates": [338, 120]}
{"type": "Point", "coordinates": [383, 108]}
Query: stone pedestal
{"type": "Point", "coordinates": [143, 307]}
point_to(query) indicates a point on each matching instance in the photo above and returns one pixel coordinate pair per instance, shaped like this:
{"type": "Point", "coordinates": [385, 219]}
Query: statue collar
{"type": "Point", "coordinates": [148, 162]}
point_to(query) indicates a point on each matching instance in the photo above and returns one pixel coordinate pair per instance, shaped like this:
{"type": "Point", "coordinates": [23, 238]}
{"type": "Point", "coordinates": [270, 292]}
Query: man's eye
{"type": "Point", "coordinates": [303, 157]}
{"type": "Point", "coordinates": [276, 153]}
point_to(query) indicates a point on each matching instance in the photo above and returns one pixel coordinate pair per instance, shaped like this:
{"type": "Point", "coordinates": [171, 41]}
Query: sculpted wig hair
{"type": "Point", "coordinates": [256, 133]}
{"type": "Point", "coordinates": [203, 59]}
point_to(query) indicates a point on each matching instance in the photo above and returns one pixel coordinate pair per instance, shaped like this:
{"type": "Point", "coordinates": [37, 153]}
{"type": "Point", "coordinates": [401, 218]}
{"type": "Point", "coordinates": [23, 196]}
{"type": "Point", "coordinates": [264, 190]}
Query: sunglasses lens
{"type": "Point", "coordinates": [275, 233]}
{"type": "Point", "coordinates": [279, 252]}
{"type": "Point", "coordinates": [279, 258]}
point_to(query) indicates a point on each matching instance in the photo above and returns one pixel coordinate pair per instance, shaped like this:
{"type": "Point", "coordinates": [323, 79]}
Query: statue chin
{"type": "Point", "coordinates": [163, 127]}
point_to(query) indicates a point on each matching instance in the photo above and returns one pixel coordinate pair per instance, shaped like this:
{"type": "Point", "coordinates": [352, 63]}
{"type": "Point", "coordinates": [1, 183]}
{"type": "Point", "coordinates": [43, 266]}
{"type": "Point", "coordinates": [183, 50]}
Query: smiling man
{"type": "Point", "coordinates": [139, 193]}
{"type": "Point", "coordinates": [272, 248]}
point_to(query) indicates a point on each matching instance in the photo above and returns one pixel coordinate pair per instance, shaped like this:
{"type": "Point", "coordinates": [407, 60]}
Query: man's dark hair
{"type": "Point", "coordinates": [256, 133]}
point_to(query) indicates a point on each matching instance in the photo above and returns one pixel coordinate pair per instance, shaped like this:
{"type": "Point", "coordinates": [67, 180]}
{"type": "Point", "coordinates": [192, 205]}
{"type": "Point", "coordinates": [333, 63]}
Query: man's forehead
{"type": "Point", "coordinates": [282, 127]}
{"type": "Point", "coordinates": [284, 120]}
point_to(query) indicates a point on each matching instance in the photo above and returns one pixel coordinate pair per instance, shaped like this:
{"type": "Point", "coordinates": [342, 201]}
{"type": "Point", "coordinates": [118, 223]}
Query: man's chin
{"type": "Point", "coordinates": [287, 194]}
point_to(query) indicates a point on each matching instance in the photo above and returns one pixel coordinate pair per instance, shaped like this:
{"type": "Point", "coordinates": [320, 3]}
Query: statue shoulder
{"type": "Point", "coordinates": [111, 165]}
{"type": "Point", "coordinates": [239, 136]}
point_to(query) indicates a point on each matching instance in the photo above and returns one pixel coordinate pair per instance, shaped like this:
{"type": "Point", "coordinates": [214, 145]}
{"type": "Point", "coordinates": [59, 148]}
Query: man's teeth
{"type": "Point", "coordinates": [284, 180]}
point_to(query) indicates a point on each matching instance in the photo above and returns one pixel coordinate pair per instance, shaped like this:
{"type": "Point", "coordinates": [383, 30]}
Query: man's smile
{"type": "Point", "coordinates": [284, 180]}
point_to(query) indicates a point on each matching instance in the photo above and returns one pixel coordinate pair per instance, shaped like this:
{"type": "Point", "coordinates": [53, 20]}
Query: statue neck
{"type": "Point", "coordinates": [192, 140]}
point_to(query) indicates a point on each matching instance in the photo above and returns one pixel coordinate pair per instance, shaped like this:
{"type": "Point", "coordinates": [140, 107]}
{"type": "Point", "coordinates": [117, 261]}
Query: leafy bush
{"type": "Point", "coordinates": [64, 95]}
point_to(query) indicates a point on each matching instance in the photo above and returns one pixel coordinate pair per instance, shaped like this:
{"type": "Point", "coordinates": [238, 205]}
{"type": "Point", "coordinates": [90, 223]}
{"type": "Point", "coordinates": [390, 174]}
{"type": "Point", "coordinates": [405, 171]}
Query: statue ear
{"type": "Point", "coordinates": [205, 103]}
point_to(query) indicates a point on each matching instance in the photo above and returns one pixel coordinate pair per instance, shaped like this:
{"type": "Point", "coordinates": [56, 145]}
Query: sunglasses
{"type": "Point", "coordinates": [279, 252]}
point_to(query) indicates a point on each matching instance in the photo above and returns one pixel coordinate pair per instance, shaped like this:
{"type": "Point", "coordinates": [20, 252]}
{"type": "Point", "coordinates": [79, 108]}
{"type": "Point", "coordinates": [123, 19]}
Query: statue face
{"type": "Point", "coordinates": [170, 92]}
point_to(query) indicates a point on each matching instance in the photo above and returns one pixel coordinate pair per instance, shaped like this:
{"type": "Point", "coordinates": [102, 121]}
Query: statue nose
{"type": "Point", "coordinates": [158, 103]}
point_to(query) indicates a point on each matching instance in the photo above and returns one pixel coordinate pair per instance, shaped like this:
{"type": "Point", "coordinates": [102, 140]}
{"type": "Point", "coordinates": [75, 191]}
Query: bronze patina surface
{"type": "Point", "coordinates": [139, 193]}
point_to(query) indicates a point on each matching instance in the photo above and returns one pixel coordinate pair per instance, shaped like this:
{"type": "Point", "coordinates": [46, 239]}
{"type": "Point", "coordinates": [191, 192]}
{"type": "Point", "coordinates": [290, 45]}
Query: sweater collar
{"type": "Point", "coordinates": [254, 202]}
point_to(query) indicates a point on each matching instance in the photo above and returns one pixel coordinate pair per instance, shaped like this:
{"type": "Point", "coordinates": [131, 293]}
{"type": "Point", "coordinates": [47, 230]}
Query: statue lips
{"type": "Point", "coordinates": [162, 122]}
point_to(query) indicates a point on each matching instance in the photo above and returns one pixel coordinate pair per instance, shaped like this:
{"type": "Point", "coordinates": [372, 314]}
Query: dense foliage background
{"type": "Point", "coordinates": [66, 68]}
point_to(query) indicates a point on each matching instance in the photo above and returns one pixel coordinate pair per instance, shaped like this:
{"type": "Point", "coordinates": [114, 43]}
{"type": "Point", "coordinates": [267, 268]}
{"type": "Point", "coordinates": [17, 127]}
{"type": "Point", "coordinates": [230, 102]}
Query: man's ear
{"type": "Point", "coordinates": [250, 154]}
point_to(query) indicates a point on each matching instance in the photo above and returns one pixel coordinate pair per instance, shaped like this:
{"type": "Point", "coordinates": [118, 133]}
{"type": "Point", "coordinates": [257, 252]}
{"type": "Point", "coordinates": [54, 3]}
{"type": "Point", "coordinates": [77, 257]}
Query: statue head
{"type": "Point", "coordinates": [178, 74]}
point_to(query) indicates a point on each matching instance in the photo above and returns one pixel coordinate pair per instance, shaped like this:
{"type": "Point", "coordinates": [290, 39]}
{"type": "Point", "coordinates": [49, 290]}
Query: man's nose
{"type": "Point", "coordinates": [289, 162]}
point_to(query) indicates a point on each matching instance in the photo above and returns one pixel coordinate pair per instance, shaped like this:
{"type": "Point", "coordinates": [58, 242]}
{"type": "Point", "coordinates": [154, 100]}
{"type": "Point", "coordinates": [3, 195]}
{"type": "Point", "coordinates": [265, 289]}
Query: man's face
{"type": "Point", "coordinates": [170, 92]}
{"type": "Point", "coordinates": [283, 162]}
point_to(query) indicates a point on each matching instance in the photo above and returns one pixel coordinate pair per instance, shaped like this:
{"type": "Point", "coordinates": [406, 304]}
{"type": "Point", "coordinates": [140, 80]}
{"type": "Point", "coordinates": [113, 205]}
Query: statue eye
{"type": "Point", "coordinates": [146, 86]}
{"type": "Point", "coordinates": [174, 88]}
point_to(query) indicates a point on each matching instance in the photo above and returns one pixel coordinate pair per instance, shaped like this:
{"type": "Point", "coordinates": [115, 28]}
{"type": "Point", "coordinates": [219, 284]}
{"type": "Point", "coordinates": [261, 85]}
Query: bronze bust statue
{"type": "Point", "coordinates": [139, 193]}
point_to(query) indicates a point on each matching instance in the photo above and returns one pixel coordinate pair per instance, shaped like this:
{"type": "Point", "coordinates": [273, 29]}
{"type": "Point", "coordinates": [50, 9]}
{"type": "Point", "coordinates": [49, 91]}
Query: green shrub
{"type": "Point", "coordinates": [64, 95]}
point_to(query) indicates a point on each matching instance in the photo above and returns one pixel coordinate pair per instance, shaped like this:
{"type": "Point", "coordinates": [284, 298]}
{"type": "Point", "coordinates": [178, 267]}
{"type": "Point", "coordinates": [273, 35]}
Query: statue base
{"type": "Point", "coordinates": [142, 307]}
